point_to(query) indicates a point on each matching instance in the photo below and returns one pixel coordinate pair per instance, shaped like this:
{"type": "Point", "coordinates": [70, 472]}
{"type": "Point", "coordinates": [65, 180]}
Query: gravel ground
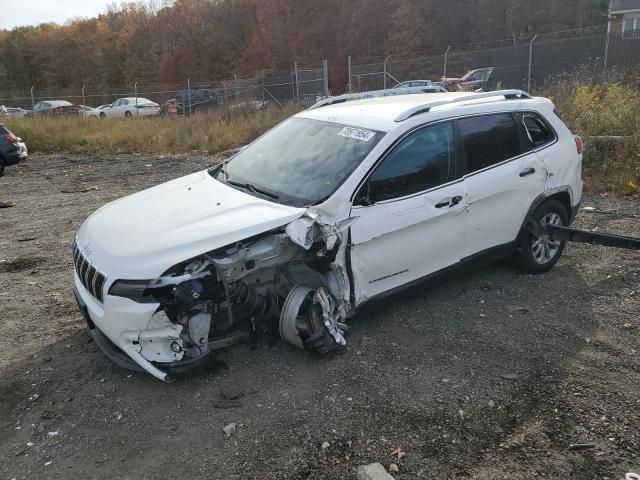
{"type": "Point", "coordinates": [485, 373]}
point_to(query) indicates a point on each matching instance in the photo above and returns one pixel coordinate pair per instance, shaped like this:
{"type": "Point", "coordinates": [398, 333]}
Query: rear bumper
{"type": "Point", "coordinates": [12, 157]}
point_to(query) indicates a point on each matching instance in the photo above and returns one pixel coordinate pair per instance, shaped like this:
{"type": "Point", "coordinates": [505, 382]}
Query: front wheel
{"type": "Point", "coordinates": [128, 114]}
{"type": "Point", "coordinates": [1, 166]}
{"type": "Point", "coordinates": [103, 115]}
{"type": "Point", "coordinates": [539, 253]}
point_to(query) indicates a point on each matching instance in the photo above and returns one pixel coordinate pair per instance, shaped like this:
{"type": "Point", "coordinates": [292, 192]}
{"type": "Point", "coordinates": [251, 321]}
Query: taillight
{"type": "Point", "coordinates": [579, 144]}
{"type": "Point", "coordinates": [11, 138]}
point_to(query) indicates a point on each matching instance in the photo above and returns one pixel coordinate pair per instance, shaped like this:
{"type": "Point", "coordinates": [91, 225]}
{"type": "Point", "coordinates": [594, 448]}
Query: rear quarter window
{"type": "Point", "coordinates": [538, 131]}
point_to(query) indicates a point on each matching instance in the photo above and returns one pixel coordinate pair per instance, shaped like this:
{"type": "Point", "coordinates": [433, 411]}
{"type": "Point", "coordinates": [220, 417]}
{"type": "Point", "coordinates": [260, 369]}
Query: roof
{"type": "Point", "coordinates": [619, 6]}
{"type": "Point", "coordinates": [57, 103]}
{"type": "Point", "coordinates": [383, 113]}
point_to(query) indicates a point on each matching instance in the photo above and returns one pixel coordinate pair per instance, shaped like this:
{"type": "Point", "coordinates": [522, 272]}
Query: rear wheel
{"type": "Point", "coordinates": [1, 166]}
{"type": "Point", "coordinates": [539, 253]}
{"type": "Point", "coordinates": [103, 115]}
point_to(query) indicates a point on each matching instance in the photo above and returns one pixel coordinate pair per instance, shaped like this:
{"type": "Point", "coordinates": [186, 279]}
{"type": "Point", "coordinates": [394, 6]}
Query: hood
{"type": "Point", "coordinates": [142, 235]}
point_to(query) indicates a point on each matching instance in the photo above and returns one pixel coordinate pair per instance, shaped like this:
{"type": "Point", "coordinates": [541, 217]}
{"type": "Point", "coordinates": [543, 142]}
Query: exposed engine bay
{"type": "Point", "coordinates": [265, 285]}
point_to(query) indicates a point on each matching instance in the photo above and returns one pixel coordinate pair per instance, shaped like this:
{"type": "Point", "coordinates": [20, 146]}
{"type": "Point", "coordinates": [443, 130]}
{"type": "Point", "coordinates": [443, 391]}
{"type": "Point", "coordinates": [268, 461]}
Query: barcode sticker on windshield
{"type": "Point", "coordinates": [357, 133]}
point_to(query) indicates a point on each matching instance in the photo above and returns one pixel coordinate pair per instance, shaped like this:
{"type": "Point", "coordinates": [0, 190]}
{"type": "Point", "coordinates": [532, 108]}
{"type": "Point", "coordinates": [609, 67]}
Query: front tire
{"type": "Point", "coordinates": [128, 114]}
{"type": "Point", "coordinates": [1, 166]}
{"type": "Point", "coordinates": [539, 254]}
{"type": "Point", "coordinates": [103, 115]}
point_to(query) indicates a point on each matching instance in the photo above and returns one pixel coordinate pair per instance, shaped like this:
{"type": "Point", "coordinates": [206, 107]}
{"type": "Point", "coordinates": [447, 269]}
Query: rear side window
{"type": "Point", "coordinates": [423, 160]}
{"type": "Point", "coordinates": [538, 132]}
{"type": "Point", "coordinates": [488, 140]}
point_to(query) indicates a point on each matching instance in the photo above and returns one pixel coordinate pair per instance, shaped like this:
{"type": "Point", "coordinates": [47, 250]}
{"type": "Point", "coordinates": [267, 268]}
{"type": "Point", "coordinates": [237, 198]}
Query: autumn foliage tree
{"type": "Point", "coordinates": [163, 42]}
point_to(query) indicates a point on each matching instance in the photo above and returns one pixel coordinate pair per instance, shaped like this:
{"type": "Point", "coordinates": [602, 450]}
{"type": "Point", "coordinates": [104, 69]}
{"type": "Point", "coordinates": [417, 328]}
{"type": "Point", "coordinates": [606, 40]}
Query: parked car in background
{"type": "Point", "coordinates": [86, 111]}
{"type": "Point", "coordinates": [55, 108]}
{"type": "Point", "coordinates": [169, 108]}
{"type": "Point", "coordinates": [95, 113]}
{"type": "Point", "coordinates": [473, 80]}
{"type": "Point", "coordinates": [12, 149]}
{"type": "Point", "coordinates": [251, 106]}
{"type": "Point", "coordinates": [131, 107]}
{"type": "Point", "coordinates": [17, 112]}
{"type": "Point", "coordinates": [414, 83]}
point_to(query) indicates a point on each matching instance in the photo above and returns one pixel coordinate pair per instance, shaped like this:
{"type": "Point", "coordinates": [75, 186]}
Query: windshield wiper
{"type": "Point", "coordinates": [254, 189]}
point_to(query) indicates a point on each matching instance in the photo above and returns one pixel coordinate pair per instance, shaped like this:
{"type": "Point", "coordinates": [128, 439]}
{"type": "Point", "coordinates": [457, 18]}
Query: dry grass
{"type": "Point", "coordinates": [604, 110]}
{"type": "Point", "coordinates": [210, 132]}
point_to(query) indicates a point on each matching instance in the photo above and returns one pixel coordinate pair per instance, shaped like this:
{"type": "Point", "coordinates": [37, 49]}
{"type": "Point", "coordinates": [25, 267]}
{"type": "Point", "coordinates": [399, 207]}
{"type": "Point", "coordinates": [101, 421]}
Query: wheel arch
{"type": "Point", "coordinates": [562, 195]}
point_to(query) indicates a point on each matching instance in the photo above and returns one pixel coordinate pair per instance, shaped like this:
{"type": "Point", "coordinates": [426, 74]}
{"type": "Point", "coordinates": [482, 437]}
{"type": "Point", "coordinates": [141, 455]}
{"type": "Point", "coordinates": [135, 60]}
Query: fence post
{"type": "Point", "coordinates": [349, 70]}
{"type": "Point", "coordinates": [33, 103]}
{"type": "Point", "coordinates": [135, 89]}
{"type": "Point", "coordinates": [297, 80]}
{"type": "Point", "coordinates": [189, 94]}
{"type": "Point", "coordinates": [384, 83]}
{"type": "Point", "coordinates": [325, 78]}
{"type": "Point", "coordinates": [83, 100]}
{"type": "Point", "coordinates": [446, 58]}
{"type": "Point", "coordinates": [235, 87]}
{"type": "Point", "coordinates": [530, 62]}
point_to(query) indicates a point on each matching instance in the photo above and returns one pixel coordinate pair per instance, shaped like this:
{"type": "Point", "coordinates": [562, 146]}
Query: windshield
{"type": "Point", "coordinates": [300, 162]}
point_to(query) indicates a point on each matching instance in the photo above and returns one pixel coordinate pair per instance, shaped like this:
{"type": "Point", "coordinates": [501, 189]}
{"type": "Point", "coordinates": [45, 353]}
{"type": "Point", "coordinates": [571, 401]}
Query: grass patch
{"type": "Point", "coordinates": [605, 110]}
{"type": "Point", "coordinates": [207, 132]}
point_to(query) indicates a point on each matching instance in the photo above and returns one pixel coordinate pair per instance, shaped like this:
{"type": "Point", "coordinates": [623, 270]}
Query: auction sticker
{"type": "Point", "coordinates": [357, 133]}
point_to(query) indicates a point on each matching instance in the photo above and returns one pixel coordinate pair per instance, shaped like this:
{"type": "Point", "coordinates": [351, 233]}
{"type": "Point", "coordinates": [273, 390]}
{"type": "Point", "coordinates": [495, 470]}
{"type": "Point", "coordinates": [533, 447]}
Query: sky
{"type": "Point", "coordinates": [16, 13]}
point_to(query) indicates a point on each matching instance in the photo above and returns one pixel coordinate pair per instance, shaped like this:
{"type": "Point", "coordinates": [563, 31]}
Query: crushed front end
{"type": "Point", "coordinates": [270, 284]}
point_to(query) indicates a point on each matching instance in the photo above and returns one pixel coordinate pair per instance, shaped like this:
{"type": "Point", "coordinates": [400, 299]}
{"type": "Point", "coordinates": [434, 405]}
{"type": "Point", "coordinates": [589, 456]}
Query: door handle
{"type": "Point", "coordinates": [455, 201]}
{"type": "Point", "coordinates": [449, 202]}
{"type": "Point", "coordinates": [528, 171]}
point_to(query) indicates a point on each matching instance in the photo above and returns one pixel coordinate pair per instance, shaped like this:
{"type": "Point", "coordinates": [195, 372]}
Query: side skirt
{"type": "Point", "coordinates": [486, 256]}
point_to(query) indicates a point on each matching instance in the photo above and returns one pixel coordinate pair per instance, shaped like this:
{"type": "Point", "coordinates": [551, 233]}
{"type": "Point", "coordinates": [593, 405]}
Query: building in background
{"type": "Point", "coordinates": [624, 17]}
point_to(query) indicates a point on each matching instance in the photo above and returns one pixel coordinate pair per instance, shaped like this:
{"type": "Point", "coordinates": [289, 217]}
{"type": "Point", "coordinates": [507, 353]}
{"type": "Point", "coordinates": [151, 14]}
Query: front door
{"type": "Point", "coordinates": [410, 215]}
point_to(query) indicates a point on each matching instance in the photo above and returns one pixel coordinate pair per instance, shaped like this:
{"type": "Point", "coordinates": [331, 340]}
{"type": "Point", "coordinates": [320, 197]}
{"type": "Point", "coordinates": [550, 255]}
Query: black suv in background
{"type": "Point", "coordinates": [12, 149]}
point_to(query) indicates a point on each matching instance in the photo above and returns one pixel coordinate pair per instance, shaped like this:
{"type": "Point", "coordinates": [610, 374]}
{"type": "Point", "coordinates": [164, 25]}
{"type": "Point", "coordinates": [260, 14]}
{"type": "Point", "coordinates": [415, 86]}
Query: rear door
{"type": "Point", "coordinates": [410, 214]}
{"type": "Point", "coordinates": [503, 178]}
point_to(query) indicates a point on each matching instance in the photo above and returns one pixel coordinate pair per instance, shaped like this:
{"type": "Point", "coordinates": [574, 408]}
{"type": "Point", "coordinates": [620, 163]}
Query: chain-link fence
{"type": "Point", "coordinates": [516, 63]}
{"type": "Point", "coordinates": [304, 84]}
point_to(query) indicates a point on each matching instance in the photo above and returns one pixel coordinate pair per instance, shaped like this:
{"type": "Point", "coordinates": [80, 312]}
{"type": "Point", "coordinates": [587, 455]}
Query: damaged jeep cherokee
{"type": "Point", "coordinates": [344, 203]}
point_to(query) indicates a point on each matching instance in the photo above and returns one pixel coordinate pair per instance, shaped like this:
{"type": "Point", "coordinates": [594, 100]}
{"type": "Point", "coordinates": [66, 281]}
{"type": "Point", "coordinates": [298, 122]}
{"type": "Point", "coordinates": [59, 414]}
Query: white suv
{"type": "Point", "coordinates": [339, 205]}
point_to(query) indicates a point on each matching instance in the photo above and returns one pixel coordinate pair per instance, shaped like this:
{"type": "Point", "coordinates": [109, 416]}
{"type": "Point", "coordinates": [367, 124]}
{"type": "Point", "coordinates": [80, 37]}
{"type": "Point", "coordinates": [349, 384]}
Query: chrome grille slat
{"type": "Point", "coordinates": [90, 277]}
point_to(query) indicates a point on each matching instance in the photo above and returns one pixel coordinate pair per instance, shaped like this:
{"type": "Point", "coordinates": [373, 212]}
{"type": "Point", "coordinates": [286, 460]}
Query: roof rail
{"type": "Point", "coordinates": [426, 107]}
{"type": "Point", "coordinates": [373, 94]}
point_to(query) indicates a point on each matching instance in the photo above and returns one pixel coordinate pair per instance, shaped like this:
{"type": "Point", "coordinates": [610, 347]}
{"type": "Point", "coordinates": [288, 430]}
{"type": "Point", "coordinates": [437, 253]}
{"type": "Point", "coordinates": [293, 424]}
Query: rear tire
{"type": "Point", "coordinates": [1, 166]}
{"type": "Point", "coordinates": [103, 115]}
{"type": "Point", "coordinates": [539, 254]}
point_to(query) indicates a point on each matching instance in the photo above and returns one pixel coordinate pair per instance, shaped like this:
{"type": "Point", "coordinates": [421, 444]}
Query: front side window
{"type": "Point", "coordinates": [423, 160]}
{"type": "Point", "coordinates": [489, 140]}
{"type": "Point", "coordinates": [537, 130]}
{"type": "Point", "coordinates": [301, 161]}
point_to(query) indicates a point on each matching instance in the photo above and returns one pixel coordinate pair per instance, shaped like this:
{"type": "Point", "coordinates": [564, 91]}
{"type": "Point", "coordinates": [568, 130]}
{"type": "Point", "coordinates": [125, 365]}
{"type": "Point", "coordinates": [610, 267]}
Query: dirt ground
{"type": "Point", "coordinates": [484, 374]}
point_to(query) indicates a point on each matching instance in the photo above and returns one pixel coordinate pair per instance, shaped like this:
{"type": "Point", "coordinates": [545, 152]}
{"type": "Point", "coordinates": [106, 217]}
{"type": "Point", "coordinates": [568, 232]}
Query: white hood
{"type": "Point", "coordinates": [142, 235]}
